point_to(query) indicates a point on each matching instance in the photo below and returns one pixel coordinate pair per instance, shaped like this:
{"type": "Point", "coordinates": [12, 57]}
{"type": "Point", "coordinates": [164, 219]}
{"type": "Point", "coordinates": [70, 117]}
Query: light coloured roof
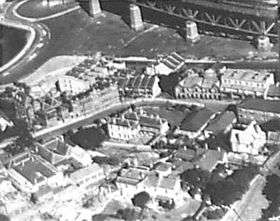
{"type": "Point", "coordinates": [246, 75]}
{"type": "Point", "coordinates": [84, 172]}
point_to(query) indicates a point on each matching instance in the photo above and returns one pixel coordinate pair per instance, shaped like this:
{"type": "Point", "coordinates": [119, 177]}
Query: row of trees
{"type": "Point", "coordinates": [272, 193]}
{"type": "Point", "coordinates": [223, 191]}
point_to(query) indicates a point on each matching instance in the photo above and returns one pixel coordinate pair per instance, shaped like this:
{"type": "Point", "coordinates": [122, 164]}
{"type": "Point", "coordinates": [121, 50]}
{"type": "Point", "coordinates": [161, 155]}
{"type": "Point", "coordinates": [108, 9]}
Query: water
{"type": "Point", "coordinates": [12, 41]}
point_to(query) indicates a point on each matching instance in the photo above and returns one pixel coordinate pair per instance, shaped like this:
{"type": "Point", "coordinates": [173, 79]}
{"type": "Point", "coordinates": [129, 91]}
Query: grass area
{"type": "Point", "coordinates": [37, 9]}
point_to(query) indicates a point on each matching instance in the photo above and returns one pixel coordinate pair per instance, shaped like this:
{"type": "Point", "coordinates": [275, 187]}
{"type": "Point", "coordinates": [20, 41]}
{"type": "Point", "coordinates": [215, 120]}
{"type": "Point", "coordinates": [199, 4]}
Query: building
{"type": "Point", "coordinates": [72, 85]}
{"type": "Point", "coordinates": [221, 124]}
{"type": "Point", "coordinates": [170, 64]}
{"type": "Point", "coordinates": [164, 189]}
{"type": "Point", "coordinates": [246, 82]}
{"type": "Point", "coordinates": [194, 123]}
{"type": "Point", "coordinates": [273, 92]}
{"type": "Point", "coordinates": [140, 85]}
{"type": "Point", "coordinates": [87, 176]}
{"type": "Point", "coordinates": [123, 129]}
{"type": "Point", "coordinates": [272, 130]}
{"type": "Point", "coordinates": [29, 172]}
{"type": "Point", "coordinates": [249, 140]}
{"type": "Point", "coordinates": [258, 109]}
{"type": "Point", "coordinates": [196, 86]}
{"type": "Point", "coordinates": [129, 181]}
{"type": "Point", "coordinates": [133, 124]}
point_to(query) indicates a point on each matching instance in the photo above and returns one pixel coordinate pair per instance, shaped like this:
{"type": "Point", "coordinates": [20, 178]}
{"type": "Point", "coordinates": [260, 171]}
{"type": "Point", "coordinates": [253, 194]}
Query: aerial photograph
{"type": "Point", "coordinates": [139, 110]}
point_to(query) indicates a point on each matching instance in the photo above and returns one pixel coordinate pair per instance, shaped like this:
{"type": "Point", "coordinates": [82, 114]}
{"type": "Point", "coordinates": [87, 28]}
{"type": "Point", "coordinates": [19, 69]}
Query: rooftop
{"type": "Point", "coordinates": [210, 159]}
{"type": "Point", "coordinates": [33, 169]}
{"type": "Point", "coordinates": [221, 122]}
{"type": "Point", "coordinates": [84, 172]}
{"type": "Point", "coordinates": [246, 75]}
{"type": "Point", "coordinates": [272, 106]}
{"type": "Point", "coordinates": [196, 120]}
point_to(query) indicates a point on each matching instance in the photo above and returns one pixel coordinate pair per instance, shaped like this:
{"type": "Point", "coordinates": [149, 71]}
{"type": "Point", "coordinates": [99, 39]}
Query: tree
{"type": "Point", "coordinates": [195, 177]}
{"type": "Point", "coordinates": [128, 214]}
{"type": "Point", "coordinates": [141, 199]}
{"type": "Point", "coordinates": [4, 217]}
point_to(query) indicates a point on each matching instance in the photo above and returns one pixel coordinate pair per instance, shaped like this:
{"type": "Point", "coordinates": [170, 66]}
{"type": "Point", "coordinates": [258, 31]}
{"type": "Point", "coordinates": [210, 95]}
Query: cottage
{"type": "Point", "coordinates": [248, 140]}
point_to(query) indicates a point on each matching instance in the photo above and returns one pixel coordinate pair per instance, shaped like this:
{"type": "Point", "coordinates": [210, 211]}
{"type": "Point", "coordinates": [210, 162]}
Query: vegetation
{"type": "Point", "coordinates": [127, 214]}
{"type": "Point", "coordinates": [272, 193]}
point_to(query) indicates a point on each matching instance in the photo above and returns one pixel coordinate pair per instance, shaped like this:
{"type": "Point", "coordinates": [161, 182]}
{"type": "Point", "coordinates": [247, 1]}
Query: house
{"type": "Point", "coordinates": [170, 64]}
{"type": "Point", "coordinates": [210, 159]}
{"type": "Point", "coordinates": [29, 172]}
{"type": "Point", "coordinates": [71, 85]}
{"type": "Point", "coordinates": [258, 109]}
{"type": "Point", "coordinates": [164, 189]}
{"type": "Point", "coordinates": [221, 124]}
{"type": "Point", "coordinates": [248, 140]}
{"type": "Point", "coordinates": [133, 124]}
{"type": "Point", "coordinates": [246, 82]}
{"type": "Point", "coordinates": [196, 86]}
{"type": "Point", "coordinates": [129, 181]}
{"type": "Point", "coordinates": [87, 176]}
{"type": "Point", "coordinates": [195, 122]}
{"type": "Point", "coordinates": [139, 85]}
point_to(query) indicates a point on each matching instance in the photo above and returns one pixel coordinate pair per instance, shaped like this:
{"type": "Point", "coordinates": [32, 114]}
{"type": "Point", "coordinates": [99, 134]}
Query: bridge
{"type": "Point", "coordinates": [248, 19]}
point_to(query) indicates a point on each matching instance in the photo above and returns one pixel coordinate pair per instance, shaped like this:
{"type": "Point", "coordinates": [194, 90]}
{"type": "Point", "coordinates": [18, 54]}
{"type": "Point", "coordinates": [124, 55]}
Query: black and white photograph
{"type": "Point", "coordinates": [139, 110]}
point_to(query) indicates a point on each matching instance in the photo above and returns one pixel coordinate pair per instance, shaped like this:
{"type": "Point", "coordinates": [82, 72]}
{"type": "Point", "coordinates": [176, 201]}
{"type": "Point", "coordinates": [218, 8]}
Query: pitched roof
{"type": "Point", "coordinates": [210, 159]}
{"type": "Point", "coordinates": [272, 106]}
{"type": "Point", "coordinates": [196, 120]}
{"type": "Point", "coordinates": [220, 122]}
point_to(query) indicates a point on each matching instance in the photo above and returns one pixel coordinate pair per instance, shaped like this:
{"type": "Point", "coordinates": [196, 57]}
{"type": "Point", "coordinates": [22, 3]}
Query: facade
{"type": "Point", "coordinates": [71, 85]}
{"type": "Point", "coordinates": [194, 123]}
{"type": "Point", "coordinates": [249, 140]}
{"type": "Point", "coordinates": [259, 110]}
{"type": "Point", "coordinates": [246, 82]}
{"type": "Point", "coordinates": [29, 172]}
{"type": "Point", "coordinates": [129, 181]}
{"type": "Point", "coordinates": [133, 124]}
{"type": "Point", "coordinates": [195, 86]}
{"type": "Point", "coordinates": [142, 85]}
{"type": "Point", "coordinates": [87, 176]}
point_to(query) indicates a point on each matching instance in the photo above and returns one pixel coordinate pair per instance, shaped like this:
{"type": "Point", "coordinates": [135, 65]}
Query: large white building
{"type": "Point", "coordinates": [249, 140]}
{"type": "Point", "coordinates": [29, 173]}
{"type": "Point", "coordinates": [246, 82]}
{"type": "Point", "coordinates": [72, 85]}
{"type": "Point", "coordinates": [133, 124]}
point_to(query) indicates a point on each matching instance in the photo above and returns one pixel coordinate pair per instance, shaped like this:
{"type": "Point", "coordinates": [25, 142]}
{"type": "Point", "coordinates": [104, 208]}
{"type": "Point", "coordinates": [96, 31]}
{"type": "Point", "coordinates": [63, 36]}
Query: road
{"type": "Point", "coordinates": [88, 119]}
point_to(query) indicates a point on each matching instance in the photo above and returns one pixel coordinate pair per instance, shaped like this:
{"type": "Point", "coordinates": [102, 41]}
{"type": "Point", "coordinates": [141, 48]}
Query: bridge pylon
{"type": "Point", "coordinates": [94, 8]}
{"type": "Point", "coordinates": [136, 20]}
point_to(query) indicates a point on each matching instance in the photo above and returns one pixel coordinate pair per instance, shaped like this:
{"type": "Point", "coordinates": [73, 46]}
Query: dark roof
{"type": "Point", "coordinates": [150, 122]}
{"type": "Point", "coordinates": [271, 125]}
{"type": "Point", "coordinates": [272, 106]}
{"type": "Point", "coordinates": [221, 122]}
{"type": "Point", "coordinates": [195, 120]}
{"type": "Point", "coordinates": [273, 91]}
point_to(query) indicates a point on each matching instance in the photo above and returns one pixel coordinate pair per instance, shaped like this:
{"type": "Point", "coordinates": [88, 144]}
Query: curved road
{"type": "Point", "coordinates": [38, 53]}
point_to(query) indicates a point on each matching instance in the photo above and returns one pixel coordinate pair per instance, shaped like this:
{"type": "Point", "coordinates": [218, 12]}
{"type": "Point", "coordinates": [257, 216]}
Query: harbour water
{"type": "Point", "coordinates": [12, 41]}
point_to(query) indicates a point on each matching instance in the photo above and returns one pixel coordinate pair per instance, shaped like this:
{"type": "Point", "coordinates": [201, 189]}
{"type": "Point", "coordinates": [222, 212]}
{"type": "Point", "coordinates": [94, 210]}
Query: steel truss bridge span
{"type": "Point", "coordinates": [219, 19]}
